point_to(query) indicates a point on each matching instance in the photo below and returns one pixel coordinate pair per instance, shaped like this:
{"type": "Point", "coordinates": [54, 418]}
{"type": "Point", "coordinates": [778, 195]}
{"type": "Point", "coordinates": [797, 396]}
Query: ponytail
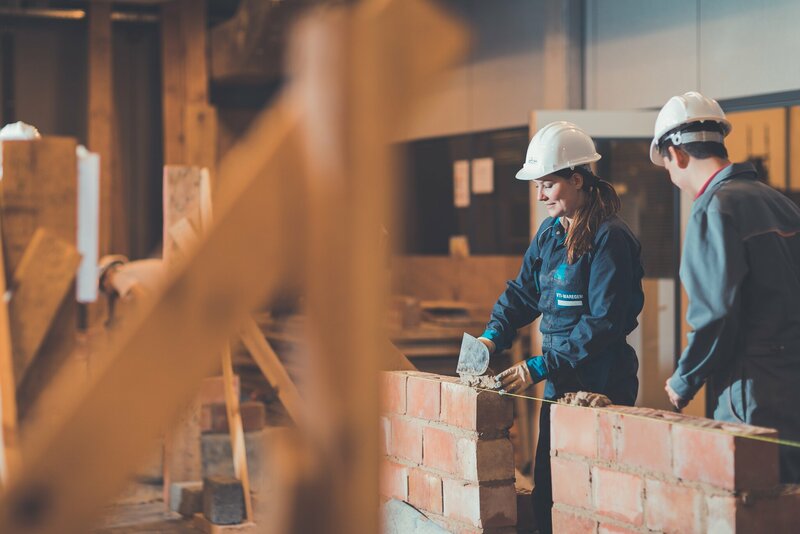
{"type": "Point", "coordinates": [601, 203]}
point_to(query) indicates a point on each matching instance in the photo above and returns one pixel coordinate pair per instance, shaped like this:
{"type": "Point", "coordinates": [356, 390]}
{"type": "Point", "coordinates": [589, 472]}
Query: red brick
{"type": "Point", "coordinates": [571, 482]}
{"type": "Point", "coordinates": [425, 491]}
{"type": "Point", "coordinates": [480, 506]}
{"type": "Point", "coordinates": [525, 518]}
{"type": "Point", "coordinates": [406, 439]}
{"type": "Point", "coordinates": [773, 512]}
{"type": "Point", "coordinates": [565, 522]}
{"type": "Point", "coordinates": [645, 442]}
{"type": "Point", "coordinates": [574, 429]}
{"type": "Point", "coordinates": [473, 409]}
{"type": "Point", "coordinates": [672, 508]}
{"type": "Point", "coordinates": [393, 392]}
{"type": "Point", "coordinates": [607, 435]}
{"type": "Point", "coordinates": [440, 450]}
{"type": "Point", "coordinates": [463, 456]}
{"type": "Point", "coordinates": [723, 460]}
{"type": "Point", "coordinates": [423, 397]}
{"type": "Point", "coordinates": [212, 390]}
{"type": "Point", "coordinates": [606, 528]}
{"type": "Point", "coordinates": [394, 480]}
{"type": "Point", "coordinates": [618, 495]}
{"type": "Point", "coordinates": [385, 435]}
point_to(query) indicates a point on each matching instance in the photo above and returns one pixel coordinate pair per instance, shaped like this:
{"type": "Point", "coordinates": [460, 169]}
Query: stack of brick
{"type": "Point", "coordinates": [445, 450]}
{"type": "Point", "coordinates": [626, 470]}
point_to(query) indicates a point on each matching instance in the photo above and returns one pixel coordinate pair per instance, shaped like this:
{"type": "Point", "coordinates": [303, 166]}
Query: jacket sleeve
{"type": "Point", "coordinates": [713, 267]}
{"type": "Point", "coordinates": [518, 305]}
{"type": "Point", "coordinates": [610, 296]}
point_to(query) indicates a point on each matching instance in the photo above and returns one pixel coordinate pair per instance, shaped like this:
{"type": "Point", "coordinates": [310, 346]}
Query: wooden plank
{"type": "Point", "coordinates": [41, 282]}
{"type": "Point", "coordinates": [236, 431]}
{"type": "Point", "coordinates": [274, 371]}
{"type": "Point", "coordinates": [173, 80]}
{"type": "Point", "coordinates": [10, 456]}
{"type": "Point", "coordinates": [101, 115]}
{"type": "Point", "coordinates": [39, 190]}
{"type": "Point", "coordinates": [201, 136]}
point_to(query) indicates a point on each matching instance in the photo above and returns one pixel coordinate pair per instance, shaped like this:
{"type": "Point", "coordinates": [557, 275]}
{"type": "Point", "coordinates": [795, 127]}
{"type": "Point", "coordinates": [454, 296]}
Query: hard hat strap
{"type": "Point", "coordinates": [682, 138]}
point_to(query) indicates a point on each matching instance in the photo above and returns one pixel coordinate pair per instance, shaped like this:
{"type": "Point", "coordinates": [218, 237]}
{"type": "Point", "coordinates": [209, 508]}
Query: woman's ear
{"type": "Point", "coordinates": [577, 180]}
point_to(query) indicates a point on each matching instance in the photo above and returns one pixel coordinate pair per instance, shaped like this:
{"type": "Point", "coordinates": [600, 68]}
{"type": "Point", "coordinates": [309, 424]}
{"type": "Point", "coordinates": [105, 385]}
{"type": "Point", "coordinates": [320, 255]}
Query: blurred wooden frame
{"type": "Point", "coordinates": [353, 85]}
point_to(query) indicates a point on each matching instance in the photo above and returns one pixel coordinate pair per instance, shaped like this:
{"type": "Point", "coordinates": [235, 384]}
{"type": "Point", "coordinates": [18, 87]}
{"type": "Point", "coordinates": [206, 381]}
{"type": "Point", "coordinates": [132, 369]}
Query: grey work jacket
{"type": "Point", "coordinates": [741, 270]}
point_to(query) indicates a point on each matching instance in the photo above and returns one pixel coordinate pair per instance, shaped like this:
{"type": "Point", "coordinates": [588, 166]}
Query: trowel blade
{"type": "Point", "coordinates": [473, 358]}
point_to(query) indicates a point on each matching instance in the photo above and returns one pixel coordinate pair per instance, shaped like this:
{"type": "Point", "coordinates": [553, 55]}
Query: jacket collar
{"type": "Point", "coordinates": [735, 170]}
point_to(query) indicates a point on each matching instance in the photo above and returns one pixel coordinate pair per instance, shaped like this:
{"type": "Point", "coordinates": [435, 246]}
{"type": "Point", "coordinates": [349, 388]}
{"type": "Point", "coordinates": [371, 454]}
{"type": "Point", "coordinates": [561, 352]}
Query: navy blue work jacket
{"type": "Point", "coordinates": [588, 308]}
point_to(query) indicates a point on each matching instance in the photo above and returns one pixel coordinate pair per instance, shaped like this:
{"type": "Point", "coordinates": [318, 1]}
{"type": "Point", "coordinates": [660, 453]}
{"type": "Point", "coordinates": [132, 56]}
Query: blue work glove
{"type": "Point", "coordinates": [522, 375]}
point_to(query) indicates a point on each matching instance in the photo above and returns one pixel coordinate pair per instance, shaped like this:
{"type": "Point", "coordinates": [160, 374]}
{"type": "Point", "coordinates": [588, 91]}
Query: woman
{"type": "Point", "coordinates": [582, 273]}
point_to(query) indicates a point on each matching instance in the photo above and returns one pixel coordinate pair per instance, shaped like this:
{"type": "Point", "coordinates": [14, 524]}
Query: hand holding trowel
{"type": "Point", "coordinates": [473, 364]}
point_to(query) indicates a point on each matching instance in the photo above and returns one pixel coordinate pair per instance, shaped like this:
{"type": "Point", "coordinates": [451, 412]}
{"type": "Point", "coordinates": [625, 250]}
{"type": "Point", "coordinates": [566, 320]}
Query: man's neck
{"type": "Point", "coordinates": [702, 170]}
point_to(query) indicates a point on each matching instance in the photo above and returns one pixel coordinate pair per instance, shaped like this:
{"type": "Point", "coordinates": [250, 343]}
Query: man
{"type": "Point", "coordinates": [741, 270]}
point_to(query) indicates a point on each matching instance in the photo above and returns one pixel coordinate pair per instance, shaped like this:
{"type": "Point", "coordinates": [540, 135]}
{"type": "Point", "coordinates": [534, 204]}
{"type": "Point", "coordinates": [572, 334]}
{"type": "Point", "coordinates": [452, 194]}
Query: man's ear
{"type": "Point", "coordinates": [680, 157]}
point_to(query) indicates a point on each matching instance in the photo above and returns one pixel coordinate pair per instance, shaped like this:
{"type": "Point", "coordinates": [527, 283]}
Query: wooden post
{"type": "Point", "coordinates": [10, 457]}
{"type": "Point", "coordinates": [358, 96]}
{"type": "Point", "coordinates": [173, 84]}
{"type": "Point", "coordinates": [113, 222]}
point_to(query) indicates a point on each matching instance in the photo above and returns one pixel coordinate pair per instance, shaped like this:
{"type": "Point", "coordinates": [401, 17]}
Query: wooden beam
{"type": "Point", "coordinates": [273, 369]}
{"type": "Point", "coordinates": [236, 431]}
{"type": "Point", "coordinates": [10, 456]}
{"type": "Point", "coordinates": [358, 96]}
{"type": "Point", "coordinates": [41, 282]}
{"type": "Point", "coordinates": [100, 126]}
{"type": "Point", "coordinates": [173, 82]}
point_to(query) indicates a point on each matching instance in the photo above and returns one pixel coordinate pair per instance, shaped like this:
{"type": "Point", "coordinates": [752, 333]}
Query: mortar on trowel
{"type": "Point", "coordinates": [473, 364]}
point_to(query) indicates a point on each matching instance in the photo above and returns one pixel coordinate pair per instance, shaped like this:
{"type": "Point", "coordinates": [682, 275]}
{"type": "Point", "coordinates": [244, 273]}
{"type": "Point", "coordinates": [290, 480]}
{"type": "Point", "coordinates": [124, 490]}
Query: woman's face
{"type": "Point", "coordinates": [561, 196]}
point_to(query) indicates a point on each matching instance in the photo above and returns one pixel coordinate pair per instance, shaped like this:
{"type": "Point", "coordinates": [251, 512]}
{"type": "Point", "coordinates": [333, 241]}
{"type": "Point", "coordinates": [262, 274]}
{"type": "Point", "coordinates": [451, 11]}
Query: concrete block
{"type": "Point", "coordinates": [223, 500]}
{"type": "Point", "coordinates": [186, 498]}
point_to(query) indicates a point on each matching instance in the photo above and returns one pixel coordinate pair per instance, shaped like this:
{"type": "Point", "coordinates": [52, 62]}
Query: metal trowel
{"type": "Point", "coordinates": [473, 360]}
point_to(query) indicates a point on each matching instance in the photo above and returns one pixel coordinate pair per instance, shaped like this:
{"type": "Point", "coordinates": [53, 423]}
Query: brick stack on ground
{"type": "Point", "coordinates": [637, 470]}
{"type": "Point", "coordinates": [445, 450]}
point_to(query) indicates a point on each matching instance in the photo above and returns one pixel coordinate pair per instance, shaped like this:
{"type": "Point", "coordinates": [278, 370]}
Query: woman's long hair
{"type": "Point", "coordinates": [601, 203]}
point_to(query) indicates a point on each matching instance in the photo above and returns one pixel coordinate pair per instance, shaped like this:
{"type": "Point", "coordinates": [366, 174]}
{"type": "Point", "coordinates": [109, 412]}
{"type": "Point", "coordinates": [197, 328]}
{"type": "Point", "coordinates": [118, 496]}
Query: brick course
{"type": "Point", "coordinates": [446, 451]}
{"type": "Point", "coordinates": [656, 471]}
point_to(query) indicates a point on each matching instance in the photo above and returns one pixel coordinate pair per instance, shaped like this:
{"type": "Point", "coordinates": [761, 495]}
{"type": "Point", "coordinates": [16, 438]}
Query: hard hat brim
{"type": "Point", "coordinates": [655, 155]}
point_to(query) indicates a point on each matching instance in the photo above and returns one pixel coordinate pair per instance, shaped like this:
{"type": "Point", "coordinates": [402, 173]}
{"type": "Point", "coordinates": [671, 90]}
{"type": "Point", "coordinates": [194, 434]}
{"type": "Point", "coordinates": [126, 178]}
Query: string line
{"type": "Point", "coordinates": [767, 439]}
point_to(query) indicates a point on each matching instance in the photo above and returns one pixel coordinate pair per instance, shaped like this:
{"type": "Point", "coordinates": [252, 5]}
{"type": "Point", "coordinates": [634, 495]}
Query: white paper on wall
{"type": "Point", "coordinates": [482, 176]}
{"type": "Point", "coordinates": [461, 183]}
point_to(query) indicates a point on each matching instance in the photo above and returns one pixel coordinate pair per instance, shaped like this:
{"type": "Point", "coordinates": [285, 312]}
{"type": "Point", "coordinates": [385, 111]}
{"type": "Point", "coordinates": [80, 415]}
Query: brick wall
{"type": "Point", "coordinates": [445, 450]}
{"type": "Point", "coordinates": [620, 469]}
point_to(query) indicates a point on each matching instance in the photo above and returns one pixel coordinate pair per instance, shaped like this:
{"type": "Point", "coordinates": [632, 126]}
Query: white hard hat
{"type": "Point", "coordinates": [557, 146]}
{"type": "Point", "coordinates": [685, 109]}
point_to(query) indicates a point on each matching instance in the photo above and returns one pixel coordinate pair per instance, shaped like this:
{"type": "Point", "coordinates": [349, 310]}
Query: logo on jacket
{"type": "Point", "coordinates": [561, 272]}
{"type": "Point", "coordinates": [565, 299]}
